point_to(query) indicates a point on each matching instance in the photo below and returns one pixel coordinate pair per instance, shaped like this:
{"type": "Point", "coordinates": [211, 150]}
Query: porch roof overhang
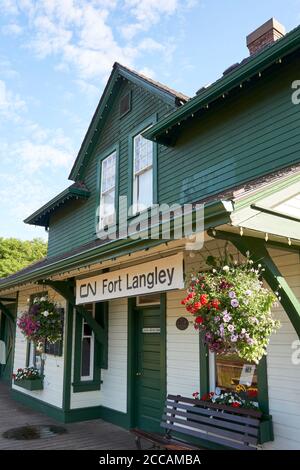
{"type": "Point", "coordinates": [276, 212]}
{"type": "Point", "coordinates": [41, 216]}
{"type": "Point", "coordinates": [215, 213]}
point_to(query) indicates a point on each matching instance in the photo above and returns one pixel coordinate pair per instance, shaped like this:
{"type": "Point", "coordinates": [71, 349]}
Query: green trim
{"type": "Point", "coordinates": [38, 405]}
{"type": "Point", "coordinates": [103, 108]}
{"type": "Point", "coordinates": [86, 386]}
{"type": "Point", "coordinates": [66, 290]}
{"type": "Point", "coordinates": [262, 385]}
{"type": "Point", "coordinates": [98, 412]}
{"type": "Point", "coordinates": [80, 385]}
{"type": "Point", "coordinates": [113, 148]}
{"type": "Point", "coordinates": [136, 131]}
{"type": "Point", "coordinates": [272, 275]}
{"type": "Point", "coordinates": [71, 416]}
{"type": "Point", "coordinates": [266, 191]}
{"type": "Point", "coordinates": [255, 65]}
{"type": "Point", "coordinates": [131, 347]}
{"type": "Point", "coordinates": [204, 367]}
{"type": "Point", "coordinates": [131, 355]}
{"type": "Point", "coordinates": [7, 312]}
{"type": "Point", "coordinates": [68, 347]}
{"type": "Point", "coordinates": [216, 213]}
{"type": "Point", "coordinates": [41, 216]}
{"type": "Point", "coordinates": [267, 210]}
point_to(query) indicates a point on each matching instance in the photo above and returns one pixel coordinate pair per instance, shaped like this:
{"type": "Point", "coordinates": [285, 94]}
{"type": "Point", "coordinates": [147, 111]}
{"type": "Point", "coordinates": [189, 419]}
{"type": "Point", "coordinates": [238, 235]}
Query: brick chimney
{"type": "Point", "coordinates": [266, 34]}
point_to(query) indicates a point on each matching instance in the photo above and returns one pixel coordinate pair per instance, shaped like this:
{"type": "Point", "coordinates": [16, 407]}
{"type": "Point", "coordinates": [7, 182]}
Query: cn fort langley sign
{"type": "Point", "coordinates": [155, 276]}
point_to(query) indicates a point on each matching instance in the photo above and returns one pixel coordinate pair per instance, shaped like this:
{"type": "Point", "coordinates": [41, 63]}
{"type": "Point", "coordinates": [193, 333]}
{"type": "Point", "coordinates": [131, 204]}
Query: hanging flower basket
{"type": "Point", "coordinates": [41, 322]}
{"type": "Point", "coordinates": [232, 309]}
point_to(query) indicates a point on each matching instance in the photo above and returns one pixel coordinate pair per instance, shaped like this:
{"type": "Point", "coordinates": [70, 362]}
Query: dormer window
{"type": "Point", "coordinates": [108, 190]}
{"type": "Point", "coordinates": [142, 196]}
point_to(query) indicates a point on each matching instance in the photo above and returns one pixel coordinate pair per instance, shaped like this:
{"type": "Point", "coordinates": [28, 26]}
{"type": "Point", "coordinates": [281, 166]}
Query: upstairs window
{"type": "Point", "coordinates": [142, 173]}
{"type": "Point", "coordinates": [108, 190]}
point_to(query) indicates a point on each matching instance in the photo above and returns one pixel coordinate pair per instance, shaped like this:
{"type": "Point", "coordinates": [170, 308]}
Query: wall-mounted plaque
{"type": "Point", "coordinates": [182, 323]}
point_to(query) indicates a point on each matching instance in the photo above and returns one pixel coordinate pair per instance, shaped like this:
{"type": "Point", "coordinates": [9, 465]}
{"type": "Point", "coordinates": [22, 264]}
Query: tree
{"type": "Point", "coordinates": [17, 254]}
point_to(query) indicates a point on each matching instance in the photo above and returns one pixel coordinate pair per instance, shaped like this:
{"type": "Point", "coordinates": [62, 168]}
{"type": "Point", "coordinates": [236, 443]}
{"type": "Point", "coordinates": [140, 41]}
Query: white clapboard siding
{"type": "Point", "coordinates": [283, 375]}
{"type": "Point", "coordinates": [113, 393]}
{"type": "Point", "coordinates": [54, 366]}
{"type": "Point", "coordinates": [182, 350]}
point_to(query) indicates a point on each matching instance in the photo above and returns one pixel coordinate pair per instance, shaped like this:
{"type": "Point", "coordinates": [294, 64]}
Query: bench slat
{"type": "Point", "coordinates": [215, 421]}
{"type": "Point", "coordinates": [199, 427]}
{"type": "Point", "coordinates": [209, 412]}
{"type": "Point", "coordinates": [241, 411]}
{"type": "Point", "coordinates": [207, 437]}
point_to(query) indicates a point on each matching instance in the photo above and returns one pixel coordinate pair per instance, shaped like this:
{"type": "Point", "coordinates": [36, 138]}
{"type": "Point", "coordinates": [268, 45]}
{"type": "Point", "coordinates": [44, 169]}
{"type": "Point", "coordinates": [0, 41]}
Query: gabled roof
{"type": "Point", "coordinates": [41, 216]}
{"type": "Point", "coordinates": [168, 128]}
{"type": "Point", "coordinates": [167, 94]}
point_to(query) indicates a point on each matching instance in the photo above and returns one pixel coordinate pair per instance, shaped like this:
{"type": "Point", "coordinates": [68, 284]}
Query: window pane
{"type": "Point", "coordinates": [108, 173]}
{"type": "Point", "coordinates": [107, 197]}
{"type": "Point", "coordinates": [143, 191]}
{"type": "Point", "coordinates": [86, 357]}
{"type": "Point", "coordinates": [143, 153]}
{"type": "Point", "coordinates": [87, 330]}
{"type": "Point", "coordinates": [107, 209]}
{"type": "Point", "coordinates": [232, 371]}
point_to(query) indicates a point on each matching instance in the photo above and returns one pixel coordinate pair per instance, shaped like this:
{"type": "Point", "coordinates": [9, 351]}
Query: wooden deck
{"type": "Point", "coordinates": [95, 434]}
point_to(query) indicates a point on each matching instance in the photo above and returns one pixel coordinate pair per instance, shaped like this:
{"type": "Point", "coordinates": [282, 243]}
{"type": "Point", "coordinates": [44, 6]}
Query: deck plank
{"type": "Point", "coordinates": [93, 435]}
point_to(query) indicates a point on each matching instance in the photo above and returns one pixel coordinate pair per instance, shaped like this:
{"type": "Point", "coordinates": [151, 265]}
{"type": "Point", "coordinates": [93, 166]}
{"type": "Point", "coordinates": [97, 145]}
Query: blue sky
{"type": "Point", "coordinates": [56, 55]}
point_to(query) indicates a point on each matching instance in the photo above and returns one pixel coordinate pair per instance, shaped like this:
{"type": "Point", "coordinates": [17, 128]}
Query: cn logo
{"type": "Point", "coordinates": [88, 289]}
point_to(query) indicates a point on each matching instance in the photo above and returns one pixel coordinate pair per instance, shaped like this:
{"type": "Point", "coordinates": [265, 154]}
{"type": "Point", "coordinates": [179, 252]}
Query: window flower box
{"type": "Point", "coordinates": [29, 378]}
{"type": "Point", "coordinates": [35, 384]}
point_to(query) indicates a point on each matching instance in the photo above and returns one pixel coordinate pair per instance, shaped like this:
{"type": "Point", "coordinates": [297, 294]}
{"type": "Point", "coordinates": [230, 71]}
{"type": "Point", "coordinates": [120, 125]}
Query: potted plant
{"type": "Point", "coordinates": [232, 308]}
{"type": "Point", "coordinates": [29, 378]}
{"type": "Point", "coordinates": [41, 322]}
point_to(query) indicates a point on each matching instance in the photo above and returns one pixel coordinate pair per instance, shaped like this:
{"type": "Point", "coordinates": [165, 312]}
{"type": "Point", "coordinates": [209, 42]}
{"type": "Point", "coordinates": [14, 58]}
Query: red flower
{"type": "Point", "coordinates": [203, 299]}
{"type": "Point", "coordinates": [199, 320]}
{"type": "Point", "coordinates": [195, 394]}
{"type": "Point", "coordinates": [215, 303]}
{"type": "Point", "coordinates": [197, 305]}
{"type": "Point", "coordinates": [252, 393]}
{"type": "Point", "coordinates": [236, 404]}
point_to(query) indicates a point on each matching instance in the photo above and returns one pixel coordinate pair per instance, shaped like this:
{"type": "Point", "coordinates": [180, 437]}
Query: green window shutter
{"type": "Point", "coordinates": [101, 317]}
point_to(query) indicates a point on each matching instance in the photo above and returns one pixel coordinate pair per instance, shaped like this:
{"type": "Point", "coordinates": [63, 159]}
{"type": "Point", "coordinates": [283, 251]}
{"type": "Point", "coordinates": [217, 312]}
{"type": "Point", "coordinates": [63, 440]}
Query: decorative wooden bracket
{"type": "Point", "coordinates": [6, 311]}
{"type": "Point", "coordinates": [66, 290]}
{"type": "Point", "coordinates": [259, 254]}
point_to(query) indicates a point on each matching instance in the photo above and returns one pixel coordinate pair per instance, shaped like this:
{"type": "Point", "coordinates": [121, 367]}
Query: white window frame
{"type": "Point", "coordinates": [135, 174]}
{"type": "Point", "coordinates": [102, 222]}
{"type": "Point", "coordinates": [92, 350]}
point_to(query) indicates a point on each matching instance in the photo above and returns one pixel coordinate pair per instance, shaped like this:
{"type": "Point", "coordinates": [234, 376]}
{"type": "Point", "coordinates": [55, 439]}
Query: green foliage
{"type": "Point", "coordinates": [17, 254]}
{"type": "Point", "coordinates": [232, 308]}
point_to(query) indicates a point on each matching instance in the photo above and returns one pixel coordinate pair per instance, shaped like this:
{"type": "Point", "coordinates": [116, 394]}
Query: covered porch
{"type": "Point", "coordinates": [87, 435]}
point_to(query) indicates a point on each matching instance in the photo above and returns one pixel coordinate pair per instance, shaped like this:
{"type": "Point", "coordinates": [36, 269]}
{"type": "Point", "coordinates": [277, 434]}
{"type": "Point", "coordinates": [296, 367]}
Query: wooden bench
{"type": "Point", "coordinates": [226, 426]}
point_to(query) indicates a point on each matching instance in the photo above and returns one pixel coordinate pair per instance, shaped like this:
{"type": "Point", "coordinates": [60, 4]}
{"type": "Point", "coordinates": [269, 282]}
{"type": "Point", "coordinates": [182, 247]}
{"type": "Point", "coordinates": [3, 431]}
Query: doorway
{"type": "Point", "coordinates": [149, 365]}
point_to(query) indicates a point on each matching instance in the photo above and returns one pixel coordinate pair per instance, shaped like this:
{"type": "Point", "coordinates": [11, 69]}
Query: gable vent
{"type": "Point", "coordinates": [125, 104]}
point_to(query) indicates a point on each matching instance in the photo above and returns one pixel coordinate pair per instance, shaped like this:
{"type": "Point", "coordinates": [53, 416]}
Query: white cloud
{"type": "Point", "coordinates": [12, 29]}
{"type": "Point", "coordinates": [41, 156]}
{"type": "Point", "coordinates": [11, 105]}
{"type": "Point", "coordinates": [82, 33]}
